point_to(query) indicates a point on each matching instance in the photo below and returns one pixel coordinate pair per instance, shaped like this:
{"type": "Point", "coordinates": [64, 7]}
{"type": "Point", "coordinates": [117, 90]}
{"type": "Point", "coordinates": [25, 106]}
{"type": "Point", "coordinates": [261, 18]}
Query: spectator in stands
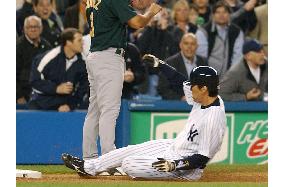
{"type": "Point", "coordinates": [204, 9]}
{"type": "Point", "coordinates": [59, 77]}
{"type": "Point", "coordinates": [260, 32]}
{"type": "Point", "coordinates": [135, 71]}
{"type": "Point", "coordinates": [21, 14]}
{"type": "Point", "coordinates": [248, 80]}
{"type": "Point", "coordinates": [167, 3]}
{"type": "Point", "coordinates": [62, 5]}
{"type": "Point", "coordinates": [52, 24]}
{"type": "Point", "coordinates": [157, 40]}
{"type": "Point", "coordinates": [19, 4]}
{"type": "Point", "coordinates": [28, 46]}
{"type": "Point", "coordinates": [243, 14]}
{"type": "Point", "coordinates": [183, 62]}
{"type": "Point", "coordinates": [220, 41]}
{"type": "Point", "coordinates": [75, 17]}
{"type": "Point", "coordinates": [180, 15]}
{"type": "Point", "coordinates": [44, 7]}
{"type": "Point", "coordinates": [193, 15]}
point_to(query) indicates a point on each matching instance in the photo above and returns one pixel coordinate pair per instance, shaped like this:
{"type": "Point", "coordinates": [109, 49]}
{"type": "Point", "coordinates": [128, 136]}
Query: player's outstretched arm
{"type": "Point", "coordinates": [140, 21]}
{"type": "Point", "coordinates": [187, 92]}
{"type": "Point", "coordinates": [174, 77]}
{"type": "Point", "coordinates": [191, 162]}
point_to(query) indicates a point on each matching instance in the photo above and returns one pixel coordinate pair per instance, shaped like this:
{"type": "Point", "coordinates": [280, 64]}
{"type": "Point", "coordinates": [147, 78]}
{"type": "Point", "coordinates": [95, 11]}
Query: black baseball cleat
{"type": "Point", "coordinates": [152, 60]}
{"type": "Point", "coordinates": [75, 163]}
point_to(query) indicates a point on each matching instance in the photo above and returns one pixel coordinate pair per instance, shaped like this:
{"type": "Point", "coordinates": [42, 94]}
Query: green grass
{"type": "Point", "coordinates": [61, 169]}
{"type": "Point", "coordinates": [47, 169]}
{"type": "Point", "coordinates": [143, 184]}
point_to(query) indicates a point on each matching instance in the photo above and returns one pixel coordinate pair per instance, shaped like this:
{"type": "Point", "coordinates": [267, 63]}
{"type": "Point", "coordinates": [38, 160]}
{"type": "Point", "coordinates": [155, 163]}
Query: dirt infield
{"type": "Point", "coordinates": [213, 176]}
{"type": "Point", "coordinates": [256, 177]}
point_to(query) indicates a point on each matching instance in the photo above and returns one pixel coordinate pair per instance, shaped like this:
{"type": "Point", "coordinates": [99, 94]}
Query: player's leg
{"type": "Point", "coordinates": [141, 167]}
{"type": "Point", "coordinates": [91, 124]}
{"type": "Point", "coordinates": [110, 77]}
{"type": "Point", "coordinates": [114, 158]}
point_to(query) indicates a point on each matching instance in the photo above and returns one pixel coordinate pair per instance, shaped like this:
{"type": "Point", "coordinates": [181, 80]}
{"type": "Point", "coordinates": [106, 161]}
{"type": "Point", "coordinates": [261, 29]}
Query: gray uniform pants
{"type": "Point", "coordinates": [106, 75]}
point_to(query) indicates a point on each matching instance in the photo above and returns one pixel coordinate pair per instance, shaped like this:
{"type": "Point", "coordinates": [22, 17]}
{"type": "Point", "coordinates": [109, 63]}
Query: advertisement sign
{"type": "Point", "coordinates": [245, 139]}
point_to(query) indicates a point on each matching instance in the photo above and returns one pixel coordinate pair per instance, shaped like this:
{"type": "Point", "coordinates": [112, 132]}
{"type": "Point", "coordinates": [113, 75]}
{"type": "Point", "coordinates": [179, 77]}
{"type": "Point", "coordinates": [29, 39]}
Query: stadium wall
{"type": "Point", "coordinates": [43, 136]}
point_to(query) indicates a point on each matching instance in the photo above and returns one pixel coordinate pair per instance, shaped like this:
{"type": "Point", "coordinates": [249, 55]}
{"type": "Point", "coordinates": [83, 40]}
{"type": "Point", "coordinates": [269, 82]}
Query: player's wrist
{"type": "Point", "coordinates": [181, 164]}
{"type": "Point", "coordinates": [149, 15]}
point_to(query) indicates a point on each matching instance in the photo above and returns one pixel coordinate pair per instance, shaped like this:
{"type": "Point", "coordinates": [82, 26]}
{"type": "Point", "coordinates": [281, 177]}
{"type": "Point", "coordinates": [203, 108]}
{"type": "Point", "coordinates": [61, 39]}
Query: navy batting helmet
{"type": "Point", "coordinates": [205, 76]}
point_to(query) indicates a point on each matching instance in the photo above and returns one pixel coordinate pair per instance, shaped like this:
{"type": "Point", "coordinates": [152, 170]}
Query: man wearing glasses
{"type": "Point", "coordinates": [28, 46]}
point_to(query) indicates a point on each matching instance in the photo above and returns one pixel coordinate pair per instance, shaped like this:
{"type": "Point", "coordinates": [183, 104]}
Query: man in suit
{"type": "Point", "coordinates": [247, 80]}
{"type": "Point", "coordinates": [29, 45]}
{"type": "Point", "coordinates": [184, 61]}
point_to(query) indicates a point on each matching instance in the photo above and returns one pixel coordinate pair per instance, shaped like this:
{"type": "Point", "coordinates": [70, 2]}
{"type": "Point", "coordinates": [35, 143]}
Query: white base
{"type": "Point", "coordinates": [28, 174]}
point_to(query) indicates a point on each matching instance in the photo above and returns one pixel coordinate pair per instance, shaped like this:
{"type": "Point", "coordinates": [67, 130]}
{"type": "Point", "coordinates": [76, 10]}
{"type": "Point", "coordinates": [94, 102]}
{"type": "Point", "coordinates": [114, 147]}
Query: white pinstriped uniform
{"type": "Point", "coordinates": [203, 134]}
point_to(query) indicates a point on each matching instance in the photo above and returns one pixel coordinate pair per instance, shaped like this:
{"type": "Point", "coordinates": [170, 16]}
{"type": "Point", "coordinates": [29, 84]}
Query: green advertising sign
{"type": "Point", "coordinates": [251, 138]}
{"type": "Point", "coordinates": [245, 140]}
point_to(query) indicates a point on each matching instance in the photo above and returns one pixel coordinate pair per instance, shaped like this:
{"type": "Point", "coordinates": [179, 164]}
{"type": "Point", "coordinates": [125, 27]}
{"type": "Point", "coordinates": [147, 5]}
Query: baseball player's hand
{"type": "Point", "coordinates": [128, 76]}
{"type": "Point", "coordinates": [64, 88]}
{"type": "Point", "coordinates": [64, 108]}
{"type": "Point", "coordinates": [164, 165]}
{"type": "Point", "coordinates": [253, 94]}
{"type": "Point", "coordinates": [151, 60]}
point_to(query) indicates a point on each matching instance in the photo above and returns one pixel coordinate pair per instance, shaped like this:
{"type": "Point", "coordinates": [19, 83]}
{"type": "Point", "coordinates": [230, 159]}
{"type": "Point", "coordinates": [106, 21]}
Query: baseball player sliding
{"type": "Point", "coordinates": [184, 157]}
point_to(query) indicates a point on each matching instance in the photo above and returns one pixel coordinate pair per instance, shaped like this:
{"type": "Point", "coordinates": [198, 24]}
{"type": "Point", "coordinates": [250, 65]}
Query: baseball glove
{"type": "Point", "coordinates": [152, 60]}
{"type": "Point", "coordinates": [164, 165]}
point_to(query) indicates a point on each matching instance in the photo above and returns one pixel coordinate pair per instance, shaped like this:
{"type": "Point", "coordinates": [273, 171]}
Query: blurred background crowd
{"type": "Point", "coordinates": [229, 35]}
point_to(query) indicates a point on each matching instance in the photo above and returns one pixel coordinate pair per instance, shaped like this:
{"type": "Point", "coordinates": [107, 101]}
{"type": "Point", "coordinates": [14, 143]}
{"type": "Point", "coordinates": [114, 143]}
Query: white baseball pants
{"type": "Point", "coordinates": [136, 161]}
{"type": "Point", "coordinates": [105, 74]}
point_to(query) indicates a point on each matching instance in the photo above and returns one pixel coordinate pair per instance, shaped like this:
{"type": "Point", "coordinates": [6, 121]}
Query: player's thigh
{"type": "Point", "coordinates": [141, 167]}
{"type": "Point", "coordinates": [110, 78]}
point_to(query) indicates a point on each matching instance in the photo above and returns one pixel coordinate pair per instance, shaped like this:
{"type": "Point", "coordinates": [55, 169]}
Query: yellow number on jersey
{"type": "Point", "coordinates": [92, 4]}
{"type": "Point", "coordinates": [92, 29]}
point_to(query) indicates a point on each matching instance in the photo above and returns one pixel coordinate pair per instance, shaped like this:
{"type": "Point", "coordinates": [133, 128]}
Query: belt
{"type": "Point", "coordinates": [120, 51]}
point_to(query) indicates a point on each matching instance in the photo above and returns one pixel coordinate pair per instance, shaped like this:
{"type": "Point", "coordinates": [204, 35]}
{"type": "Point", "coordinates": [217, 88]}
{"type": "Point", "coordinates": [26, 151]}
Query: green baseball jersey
{"type": "Point", "coordinates": [107, 20]}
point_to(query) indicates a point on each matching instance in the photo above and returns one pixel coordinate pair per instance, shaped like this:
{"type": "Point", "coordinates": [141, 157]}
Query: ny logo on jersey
{"type": "Point", "coordinates": [192, 133]}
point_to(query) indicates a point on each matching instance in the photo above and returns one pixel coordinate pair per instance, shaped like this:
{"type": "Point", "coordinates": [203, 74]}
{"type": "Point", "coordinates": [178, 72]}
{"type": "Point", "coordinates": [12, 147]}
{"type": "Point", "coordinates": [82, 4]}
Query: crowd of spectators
{"type": "Point", "coordinates": [229, 35]}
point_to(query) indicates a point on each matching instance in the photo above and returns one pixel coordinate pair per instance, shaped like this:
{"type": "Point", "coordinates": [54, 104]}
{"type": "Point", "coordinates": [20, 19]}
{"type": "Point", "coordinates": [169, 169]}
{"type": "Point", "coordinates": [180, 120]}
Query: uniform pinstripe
{"type": "Point", "coordinates": [203, 134]}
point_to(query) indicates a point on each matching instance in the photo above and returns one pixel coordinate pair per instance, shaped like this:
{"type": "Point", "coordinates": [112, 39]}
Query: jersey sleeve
{"type": "Point", "coordinates": [187, 92]}
{"type": "Point", "coordinates": [212, 134]}
{"type": "Point", "coordinates": [123, 10]}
